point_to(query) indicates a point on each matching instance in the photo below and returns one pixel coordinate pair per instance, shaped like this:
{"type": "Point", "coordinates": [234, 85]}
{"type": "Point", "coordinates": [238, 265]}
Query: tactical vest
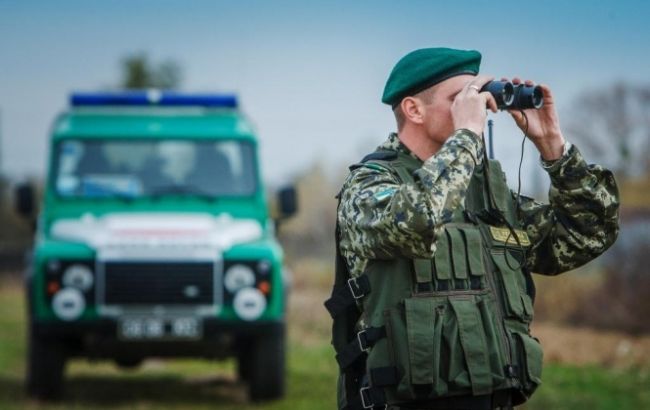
{"type": "Point", "coordinates": [453, 326]}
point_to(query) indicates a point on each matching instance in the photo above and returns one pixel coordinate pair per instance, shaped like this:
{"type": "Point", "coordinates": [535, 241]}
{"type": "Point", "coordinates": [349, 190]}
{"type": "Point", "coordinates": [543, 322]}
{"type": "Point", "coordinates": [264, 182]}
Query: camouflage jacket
{"type": "Point", "coordinates": [381, 218]}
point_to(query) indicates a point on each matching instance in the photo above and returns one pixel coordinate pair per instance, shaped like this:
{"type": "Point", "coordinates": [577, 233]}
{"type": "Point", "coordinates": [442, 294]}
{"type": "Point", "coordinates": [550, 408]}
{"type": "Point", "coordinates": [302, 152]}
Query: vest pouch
{"type": "Point", "coordinates": [458, 259]}
{"type": "Point", "coordinates": [469, 366]}
{"type": "Point", "coordinates": [497, 356]}
{"type": "Point", "coordinates": [442, 263]}
{"type": "Point", "coordinates": [517, 302]}
{"type": "Point", "coordinates": [444, 346]}
{"type": "Point", "coordinates": [475, 260]}
{"type": "Point", "coordinates": [464, 261]}
{"type": "Point", "coordinates": [421, 318]}
{"type": "Point", "coordinates": [530, 357]}
{"type": "Point", "coordinates": [415, 335]}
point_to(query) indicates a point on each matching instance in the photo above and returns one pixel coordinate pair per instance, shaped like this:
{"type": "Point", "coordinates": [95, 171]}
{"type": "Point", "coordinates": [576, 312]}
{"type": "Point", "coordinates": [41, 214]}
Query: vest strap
{"type": "Point", "coordinates": [371, 395]}
{"type": "Point", "coordinates": [404, 175]}
{"type": "Point", "coordinates": [380, 156]}
{"type": "Point", "coordinates": [365, 339]}
{"type": "Point", "coordinates": [384, 376]}
{"type": "Point", "coordinates": [345, 295]}
{"type": "Point", "coordinates": [368, 398]}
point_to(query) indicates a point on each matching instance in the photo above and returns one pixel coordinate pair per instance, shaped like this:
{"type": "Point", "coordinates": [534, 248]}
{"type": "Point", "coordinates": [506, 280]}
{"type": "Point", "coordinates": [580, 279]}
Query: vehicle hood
{"type": "Point", "coordinates": [157, 234]}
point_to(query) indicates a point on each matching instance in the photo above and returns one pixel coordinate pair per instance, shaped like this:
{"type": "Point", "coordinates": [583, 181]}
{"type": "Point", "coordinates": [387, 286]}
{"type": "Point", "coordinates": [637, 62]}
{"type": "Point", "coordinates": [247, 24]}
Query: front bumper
{"type": "Point", "coordinates": [98, 339]}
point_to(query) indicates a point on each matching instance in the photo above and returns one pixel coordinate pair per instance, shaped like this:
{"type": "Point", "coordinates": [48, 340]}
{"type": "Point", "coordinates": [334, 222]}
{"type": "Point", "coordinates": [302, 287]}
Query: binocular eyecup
{"type": "Point", "coordinates": [515, 97]}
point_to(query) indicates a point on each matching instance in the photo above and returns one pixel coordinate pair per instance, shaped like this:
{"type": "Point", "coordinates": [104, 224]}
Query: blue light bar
{"type": "Point", "coordinates": [152, 98]}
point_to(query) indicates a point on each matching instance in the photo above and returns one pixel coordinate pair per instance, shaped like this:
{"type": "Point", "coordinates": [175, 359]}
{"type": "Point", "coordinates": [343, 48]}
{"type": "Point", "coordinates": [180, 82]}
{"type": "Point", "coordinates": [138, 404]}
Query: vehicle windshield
{"type": "Point", "coordinates": [137, 168]}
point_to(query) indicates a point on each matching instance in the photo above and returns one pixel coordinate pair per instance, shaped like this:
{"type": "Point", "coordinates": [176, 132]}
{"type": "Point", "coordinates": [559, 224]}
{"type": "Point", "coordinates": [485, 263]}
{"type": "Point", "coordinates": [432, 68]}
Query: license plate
{"type": "Point", "coordinates": [156, 328]}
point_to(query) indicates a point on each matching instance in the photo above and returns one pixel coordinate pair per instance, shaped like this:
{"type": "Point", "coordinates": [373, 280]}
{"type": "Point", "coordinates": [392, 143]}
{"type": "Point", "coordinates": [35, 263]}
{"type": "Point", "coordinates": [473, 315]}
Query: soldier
{"type": "Point", "coordinates": [433, 297]}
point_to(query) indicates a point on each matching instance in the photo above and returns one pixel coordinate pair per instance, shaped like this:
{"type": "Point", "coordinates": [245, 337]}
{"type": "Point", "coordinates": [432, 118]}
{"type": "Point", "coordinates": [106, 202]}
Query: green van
{"type": "Point", "coordinates": [154, 240]}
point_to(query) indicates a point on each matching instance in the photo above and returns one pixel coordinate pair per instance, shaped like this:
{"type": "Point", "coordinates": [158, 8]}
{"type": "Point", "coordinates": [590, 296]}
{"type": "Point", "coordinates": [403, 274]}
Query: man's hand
{"type": "Point", "coordinates": [469, 107]}
{"type": "Point", "coordinates": [543, 124]}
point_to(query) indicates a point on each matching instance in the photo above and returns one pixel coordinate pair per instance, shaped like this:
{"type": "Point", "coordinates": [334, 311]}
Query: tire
{"type": "Point", "coordinates": [244, 360]}
{"type": "Point", "coordinates": [265, 366]}
{"type": "Point", "coordinates": [45, 368]}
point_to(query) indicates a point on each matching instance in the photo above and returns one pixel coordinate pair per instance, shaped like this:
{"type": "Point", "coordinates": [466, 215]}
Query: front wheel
{"type": "Point", "coordinates": [264, 366]}
{"type": "Point", "coordinates": [45, 367]}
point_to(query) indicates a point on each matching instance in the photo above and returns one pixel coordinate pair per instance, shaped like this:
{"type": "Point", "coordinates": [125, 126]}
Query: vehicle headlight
{"type": "Point", "coordinates": [78, 276]}
{"type": "Point", "coordinates": [68, 304]}
{"type": "Point", "coordinates": [249, 303]}
{"type": "Point", "coordinates": [238, 277]}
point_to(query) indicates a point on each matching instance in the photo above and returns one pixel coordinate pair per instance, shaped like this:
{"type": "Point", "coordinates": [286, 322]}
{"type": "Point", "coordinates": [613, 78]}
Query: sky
{"type": "Point", "coordinates": [309, 74]}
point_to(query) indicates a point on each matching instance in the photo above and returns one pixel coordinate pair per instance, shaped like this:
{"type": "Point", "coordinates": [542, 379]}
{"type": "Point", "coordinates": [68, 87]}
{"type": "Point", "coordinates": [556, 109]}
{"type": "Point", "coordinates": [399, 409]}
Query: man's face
{"type": "Point", "coordinates": [437, 119]}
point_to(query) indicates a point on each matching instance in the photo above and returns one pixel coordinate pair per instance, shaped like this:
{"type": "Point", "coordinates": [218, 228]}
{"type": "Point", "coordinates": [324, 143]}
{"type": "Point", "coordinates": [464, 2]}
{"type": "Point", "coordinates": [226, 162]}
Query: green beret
{"type": "Point", "coordinates": [420, 69]}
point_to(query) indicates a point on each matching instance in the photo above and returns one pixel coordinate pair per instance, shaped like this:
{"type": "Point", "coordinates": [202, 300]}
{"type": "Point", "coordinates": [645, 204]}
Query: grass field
{"type": "Point", "coordinates": [191, 384]}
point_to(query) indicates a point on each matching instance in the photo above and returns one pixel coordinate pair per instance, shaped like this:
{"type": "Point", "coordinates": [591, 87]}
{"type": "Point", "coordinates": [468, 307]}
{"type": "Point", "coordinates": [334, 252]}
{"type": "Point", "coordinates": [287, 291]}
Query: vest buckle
{"type": "Point", "coordinates": [352, 284]}
{"type": "Point", "coordinates": [363, 341]}
{"type": "Point", "coordinates": [366, 399]}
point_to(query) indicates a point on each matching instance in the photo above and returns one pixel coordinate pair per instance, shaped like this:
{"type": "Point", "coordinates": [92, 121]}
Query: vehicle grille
{"type": "Point", "coordinates": [156, 283]}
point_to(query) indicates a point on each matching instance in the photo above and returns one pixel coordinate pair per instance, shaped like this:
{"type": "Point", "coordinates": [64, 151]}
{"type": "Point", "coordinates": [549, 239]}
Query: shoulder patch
{"type": "Point", "coordinates": [370, 165]}
{"type": "Point", "coordinates": [374, 165]}
{"type": "Point", "coordinates": [386, 193]}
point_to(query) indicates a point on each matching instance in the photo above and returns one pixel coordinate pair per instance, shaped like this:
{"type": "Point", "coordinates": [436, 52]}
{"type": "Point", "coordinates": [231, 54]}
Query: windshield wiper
{"type": "Point", "coordinates": [160, 191]}
{"type": "Point", "coordinates": [110, 195]}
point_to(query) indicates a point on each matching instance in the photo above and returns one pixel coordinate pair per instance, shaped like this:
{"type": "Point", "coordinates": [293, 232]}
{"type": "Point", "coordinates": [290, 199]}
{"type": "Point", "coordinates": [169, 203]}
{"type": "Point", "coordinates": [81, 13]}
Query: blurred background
{"type": "Point", "coordinates": [310, 76]}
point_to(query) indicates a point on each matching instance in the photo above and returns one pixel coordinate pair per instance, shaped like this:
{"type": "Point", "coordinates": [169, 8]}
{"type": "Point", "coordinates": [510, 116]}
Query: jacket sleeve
{"type": "Point", "coordinates": [580, 221]}
{"type": "Point", "coordinates": [381, 217]}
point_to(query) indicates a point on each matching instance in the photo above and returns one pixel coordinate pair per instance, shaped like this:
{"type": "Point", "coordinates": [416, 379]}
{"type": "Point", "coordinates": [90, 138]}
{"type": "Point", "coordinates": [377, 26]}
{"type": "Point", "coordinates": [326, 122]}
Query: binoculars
{"type": "Point", "coordinates": [515, 97]}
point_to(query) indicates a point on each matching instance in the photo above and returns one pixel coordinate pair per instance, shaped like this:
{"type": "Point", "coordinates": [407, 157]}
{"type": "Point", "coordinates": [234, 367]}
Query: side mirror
{"type": "Point", "coordinates": [24, 200]}
{"type": "Point", "coordinates": [288, 200]}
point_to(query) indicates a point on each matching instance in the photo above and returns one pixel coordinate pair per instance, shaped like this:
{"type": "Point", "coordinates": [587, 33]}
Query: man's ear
{"type": "Point", "coordinates": [413, 110]}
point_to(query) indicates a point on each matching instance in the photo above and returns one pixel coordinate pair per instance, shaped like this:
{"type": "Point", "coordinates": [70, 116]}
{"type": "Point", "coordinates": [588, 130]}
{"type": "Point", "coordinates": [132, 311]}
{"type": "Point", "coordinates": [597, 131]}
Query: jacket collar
{"type": "Point", "coordinates": [393, 143]}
